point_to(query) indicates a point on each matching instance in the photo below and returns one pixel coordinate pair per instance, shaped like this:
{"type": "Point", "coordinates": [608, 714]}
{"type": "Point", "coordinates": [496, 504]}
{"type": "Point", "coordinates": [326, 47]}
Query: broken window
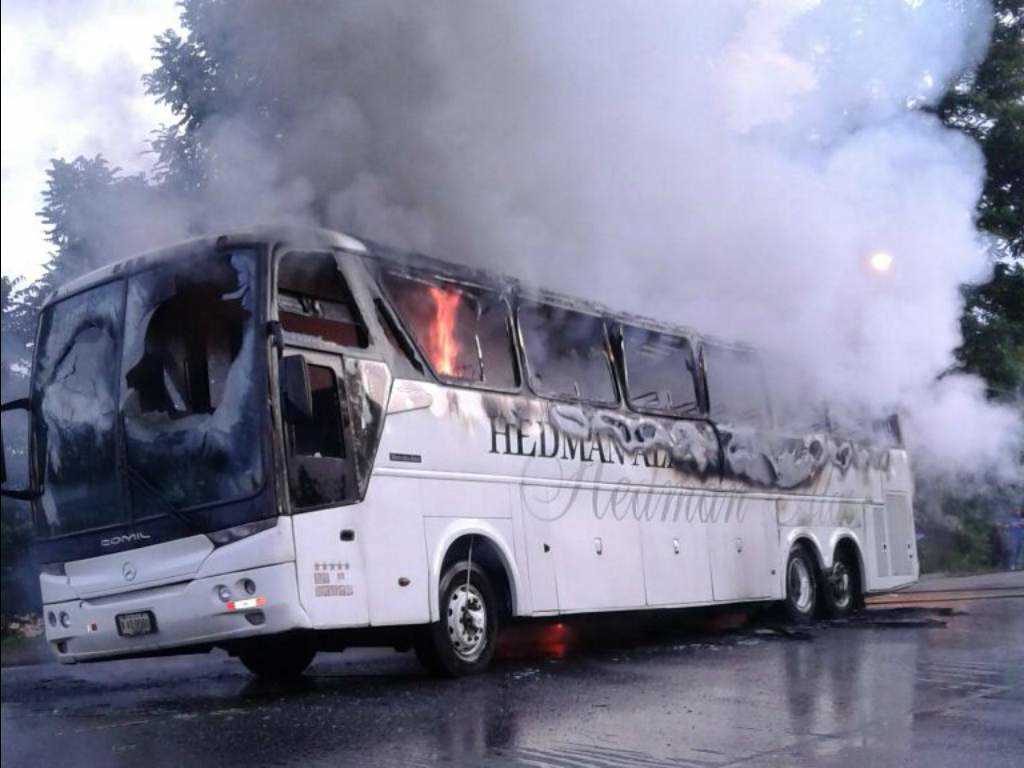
{"type": "Point", "coordinates": [318, 472]}
{"type": "Point", "coordinates": [736, 387]}
{"type": "Point", "coordinates": [567, 353]}
{"type": "Point", "coordinates": [75, 394]}
{"type": "Point", "coordinates": [660, 372]}
{"type": "Point", "coordinates": [464, 332]}
{"type": "Point", "coordinates": [193, 388]}
{"type": "Point", "coordinates": [313, 299]}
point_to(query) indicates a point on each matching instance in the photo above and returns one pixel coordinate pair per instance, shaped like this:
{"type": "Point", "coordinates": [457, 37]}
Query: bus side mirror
{"type": "Point", "coordinates": [23, 404]}
{"type": "Point", "coordinates": [296, 396]}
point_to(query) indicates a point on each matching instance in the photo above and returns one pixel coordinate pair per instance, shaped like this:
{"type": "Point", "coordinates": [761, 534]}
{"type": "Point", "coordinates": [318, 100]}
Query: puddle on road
{"type": "Point", "coordinates": [576, 636]}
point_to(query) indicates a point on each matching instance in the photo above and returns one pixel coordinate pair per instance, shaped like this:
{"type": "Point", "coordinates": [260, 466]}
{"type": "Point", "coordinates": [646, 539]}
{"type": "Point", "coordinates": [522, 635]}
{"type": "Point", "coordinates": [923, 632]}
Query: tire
{"type": "Point", "coordinates": [464, 640]}
{"type": "Point", "coordinates": [801, 587]}
{"type": "Point", "coordinates": [277, 660]}
{"type": "Point", "coordinates": [841, 592]}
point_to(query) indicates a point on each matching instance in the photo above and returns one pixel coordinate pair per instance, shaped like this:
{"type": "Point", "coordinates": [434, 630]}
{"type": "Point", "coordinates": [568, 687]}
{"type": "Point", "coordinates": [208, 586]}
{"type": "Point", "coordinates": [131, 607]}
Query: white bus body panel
{"type": "Point", "coordinates": [677, 562]}
{"type": "Point", "coordinates": [331, 573]}
{"type": "Point", "coordinates": [606, 533]}
{"type": "Point", "coordinates": [178, 581]}
{"type": "Point", "coordinates": [742, 540]}
{"type": "Point", "coordinates": [392, 529]}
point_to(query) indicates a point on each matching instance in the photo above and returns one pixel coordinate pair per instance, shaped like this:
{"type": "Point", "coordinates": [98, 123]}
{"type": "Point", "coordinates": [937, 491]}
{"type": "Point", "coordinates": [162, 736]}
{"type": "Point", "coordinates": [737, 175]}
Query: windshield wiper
{"type": "Point", "coordinates": [134, 475]}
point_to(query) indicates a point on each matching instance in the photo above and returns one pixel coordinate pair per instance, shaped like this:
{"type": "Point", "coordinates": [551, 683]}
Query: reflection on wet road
{"type": "Point", "coordinates": [902, 686]}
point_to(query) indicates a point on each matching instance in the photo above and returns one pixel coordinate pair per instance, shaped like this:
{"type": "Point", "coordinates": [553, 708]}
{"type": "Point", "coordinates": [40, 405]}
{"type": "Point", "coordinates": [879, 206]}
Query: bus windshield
{"type": "Point", "coordinates": [162, 367]}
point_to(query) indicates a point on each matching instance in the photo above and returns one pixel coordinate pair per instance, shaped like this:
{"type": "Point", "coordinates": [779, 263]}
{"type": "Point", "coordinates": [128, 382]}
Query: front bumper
{"type": "Point", "coordinates": [187, 614]}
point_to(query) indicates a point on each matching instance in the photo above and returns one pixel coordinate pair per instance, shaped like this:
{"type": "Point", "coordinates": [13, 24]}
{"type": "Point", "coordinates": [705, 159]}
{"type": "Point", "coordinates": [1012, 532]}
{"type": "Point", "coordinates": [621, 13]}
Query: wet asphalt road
{"type": "Point", "coordinates": [929, 686]}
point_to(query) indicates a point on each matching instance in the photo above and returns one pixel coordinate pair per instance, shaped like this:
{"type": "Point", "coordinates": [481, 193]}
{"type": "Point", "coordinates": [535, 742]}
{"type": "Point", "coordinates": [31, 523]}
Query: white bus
{"type": "Point", "coordinates": [282, 442]}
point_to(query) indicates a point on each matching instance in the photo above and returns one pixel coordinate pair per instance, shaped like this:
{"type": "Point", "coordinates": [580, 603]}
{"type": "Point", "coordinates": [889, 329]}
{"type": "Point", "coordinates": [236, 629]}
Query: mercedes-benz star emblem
{"type": "Point", "coordinates": [128, 571]}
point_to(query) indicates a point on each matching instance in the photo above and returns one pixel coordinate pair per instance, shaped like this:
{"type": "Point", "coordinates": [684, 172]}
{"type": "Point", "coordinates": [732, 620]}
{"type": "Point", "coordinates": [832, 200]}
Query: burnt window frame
{"type": "Point", "coordinates": [699, 385]}
{"type": "Point", "coordinates": [315, 358]}
{"type": "Point", "coordinates": [305, 341]}
{"type": "Point", "coordinates": [423, 359]}
{"type": "Point", "coordinates": [613, 368]}
{"type": "Point", "coordinates": [175, 255]}
{"type": "Point", "coordinates": [263, 360]}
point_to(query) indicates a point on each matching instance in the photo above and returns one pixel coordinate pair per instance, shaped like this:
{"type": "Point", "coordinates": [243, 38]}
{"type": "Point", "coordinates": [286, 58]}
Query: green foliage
{"type": "Point", "coordinates": [18, 587]}
{"type": "Point", "coordinates": [216, 71]}
{"type": "Point", "coordinates": [19, 327]}
{"type": "Point", "coordinates": [988, 105]}
{"type": "Point", "coordinates": [993, 332]}
{"type": "Point", "coordinates": [968, 547]}
{"type": "Point", "coordinates": [81, 199]}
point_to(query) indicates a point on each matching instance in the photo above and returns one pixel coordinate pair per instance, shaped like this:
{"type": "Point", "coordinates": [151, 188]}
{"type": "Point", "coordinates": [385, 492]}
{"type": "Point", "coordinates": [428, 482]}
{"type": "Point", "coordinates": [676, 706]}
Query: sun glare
{"type": "Point", "coordinates": [880, 261]}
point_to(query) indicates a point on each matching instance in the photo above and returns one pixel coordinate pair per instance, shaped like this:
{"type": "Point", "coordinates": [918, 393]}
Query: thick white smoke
{"type": "Point", "coordinates": [729, 165]}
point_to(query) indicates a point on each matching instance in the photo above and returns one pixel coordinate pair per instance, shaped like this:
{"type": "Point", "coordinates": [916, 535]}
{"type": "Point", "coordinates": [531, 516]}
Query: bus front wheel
{"type": "Point", "coordinates": [463, 641]}
{"type": "Point", "coordinates": [801, 586]}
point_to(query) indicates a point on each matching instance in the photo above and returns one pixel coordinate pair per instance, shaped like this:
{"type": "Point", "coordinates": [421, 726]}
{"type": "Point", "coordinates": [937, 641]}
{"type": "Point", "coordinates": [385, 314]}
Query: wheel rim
{"type": "Point", "coordinates": [801, 590]}
{"type": "Point", "coordinates": [467, 622]}
{"type": "Point", "coordinates": [842, 592]}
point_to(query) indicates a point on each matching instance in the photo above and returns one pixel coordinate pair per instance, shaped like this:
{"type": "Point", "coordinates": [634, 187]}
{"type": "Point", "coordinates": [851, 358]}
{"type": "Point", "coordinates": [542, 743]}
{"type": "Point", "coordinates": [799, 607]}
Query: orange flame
{"type": "Point", "coordinates": [443, 346]}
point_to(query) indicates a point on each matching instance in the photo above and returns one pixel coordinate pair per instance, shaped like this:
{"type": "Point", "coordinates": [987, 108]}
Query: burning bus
{"type": "Point", "coordinates": [281, 442]}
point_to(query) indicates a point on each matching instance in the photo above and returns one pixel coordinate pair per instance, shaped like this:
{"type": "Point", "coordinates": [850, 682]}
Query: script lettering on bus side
{"type": "Point", "coordinates": [582, 466]}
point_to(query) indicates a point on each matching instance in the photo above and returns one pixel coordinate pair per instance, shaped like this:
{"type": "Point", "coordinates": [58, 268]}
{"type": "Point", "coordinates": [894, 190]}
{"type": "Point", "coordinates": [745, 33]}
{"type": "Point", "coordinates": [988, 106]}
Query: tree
{"type": "Point", "coordinates": [215, 71]}
{"type": "Point", "coordinates": [988, 105]}
{"type": "Point", "coordinates": [992, 327]}
{"type": "Point", "coordinates": [87, 207]}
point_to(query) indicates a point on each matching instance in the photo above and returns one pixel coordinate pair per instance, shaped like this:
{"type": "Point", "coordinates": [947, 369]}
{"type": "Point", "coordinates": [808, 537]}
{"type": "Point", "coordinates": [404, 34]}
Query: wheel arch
{"type": "Point", "coordinates": [490, 551]}
{"type": "Point", "coordinates": [809, 543]}
{"type": "Point", "coordinates": [802, 537]}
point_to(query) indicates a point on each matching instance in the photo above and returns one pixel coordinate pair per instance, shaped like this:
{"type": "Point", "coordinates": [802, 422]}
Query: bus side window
{"type": "Point", "coordinates": [463, 331]}
{"type": "Point", "coordinates": [318, 473]}
{"type": "Point", "coordinates": [660, 373]}
{"type": "Point", "coordinates": [313, 299]}
{"type": "Point", "coordinates": [567, 354]}
{"type": "Point", "coordinates": [737, 392]}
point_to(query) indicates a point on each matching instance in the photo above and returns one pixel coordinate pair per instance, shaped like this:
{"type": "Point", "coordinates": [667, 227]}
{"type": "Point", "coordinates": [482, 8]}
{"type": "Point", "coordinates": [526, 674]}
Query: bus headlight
{"type": "Point", "coordinates": [224, 593]}
{"type": "Point", "coordinates": [52, 618]}
{"type": "Point", "coordinates": [228, 535]}
{"type": "Point", "coordinates": [65, 619]}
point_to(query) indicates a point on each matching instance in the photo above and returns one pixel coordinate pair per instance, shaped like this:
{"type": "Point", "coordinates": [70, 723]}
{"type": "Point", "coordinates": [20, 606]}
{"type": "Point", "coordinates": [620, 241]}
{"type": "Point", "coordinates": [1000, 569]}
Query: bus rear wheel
{"type": "Point", "coordinates": [463, 641]}
{"type": "Point", "coordinates": [801, 586]}
{"type": "Point", "coordinates": [277, 660]}
{"type": "Point", "coordinates": [841, 593]}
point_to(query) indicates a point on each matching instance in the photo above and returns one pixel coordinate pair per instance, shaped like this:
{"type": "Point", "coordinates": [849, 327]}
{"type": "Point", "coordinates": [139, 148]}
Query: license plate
{"type": "Point", "coordinates": [135, 624]}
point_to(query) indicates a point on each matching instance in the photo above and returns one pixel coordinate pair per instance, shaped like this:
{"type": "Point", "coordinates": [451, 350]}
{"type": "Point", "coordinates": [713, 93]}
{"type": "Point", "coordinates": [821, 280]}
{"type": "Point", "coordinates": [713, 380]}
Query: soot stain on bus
{"type": "Point", "coordinates": [688, 447]}
{"type": "Point", "coordinates": [699, 447]}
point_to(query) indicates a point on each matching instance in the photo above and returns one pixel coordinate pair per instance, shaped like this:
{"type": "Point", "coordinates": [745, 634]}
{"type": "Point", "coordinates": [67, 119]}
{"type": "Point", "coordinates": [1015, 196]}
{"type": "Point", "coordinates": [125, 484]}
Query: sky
{"type": "Point", "coordinates": [64, 64]}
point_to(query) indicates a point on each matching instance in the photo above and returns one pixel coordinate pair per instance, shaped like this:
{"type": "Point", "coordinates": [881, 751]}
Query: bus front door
{"type": "Point", "coordinates": [322, 488]}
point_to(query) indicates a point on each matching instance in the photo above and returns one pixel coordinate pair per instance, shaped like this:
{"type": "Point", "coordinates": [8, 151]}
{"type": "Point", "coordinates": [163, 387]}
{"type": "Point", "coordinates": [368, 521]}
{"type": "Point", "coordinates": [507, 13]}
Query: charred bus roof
{"type": "Point", "coordinates": [304, 238]}
{"type": "Point", "coordinates": [385, 257]}
{"type": "Point", "coordinates": [429, 266]}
